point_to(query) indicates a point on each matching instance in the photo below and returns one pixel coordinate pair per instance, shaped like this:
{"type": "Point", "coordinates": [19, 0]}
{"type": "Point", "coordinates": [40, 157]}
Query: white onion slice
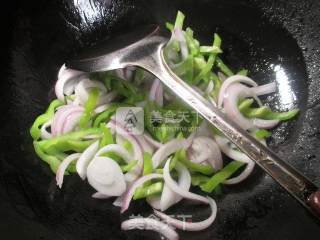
{"type": "Point", "coordinates": [191, 226]}
{"type": "Point", "coordinates": [102, 108]}
{"type": "Point", "coordinates": [169, 197]}
{"type": "Point", "coordinates": [60, 117]}
{"type": "Point", "coordinates": [221, 76]}
{"type": "Point", "coordinates": [152, 141]}
{"type": "Point", "coordinates": [99, 195]}
{"type": "Point", "coordinates": [129, 194]}
{"type": "Point", "coordinates": [223, 143]}
{"type": "Point", "coordinates": [63, 166]}
{"type": "Point", "coordinates": [266, 124]}
{"type": "Point", "coordinates": [147, 147]}
{"type": "Point", "coordinates": [83, 87]}
{"type": "Point", "coordinates": [174, 186]}
{"type": "Point", "coordinates": [71, 122]}
{"type": "Point", "coordinates": [86, 157]}
{"type": "Point", "coordinates": [242, 176]}
{"type": "Point", "coordinates": [154, 202]}
{"type": "Point", "coordinates": [179, 35]}
{"type": "Point", "coordinates": [137, 148]}
{"type": "Point", "coordinates": [167, 149]}
{"type": "Point", "coordinates": [209, 88]}
{"type": "Point", "coordinates": [206, 149]}
{"type": "Point", "coordinates": [265, 89]}
{"type": "Point", "coordinates": [106, 176]}
{"type": "Point", "coordinates": [235, 92]}
{"type": "Point", "coordinates": [117, 149]}
{"type": "Point", "coordinates": [232, 80]}
{"type": "Point", "coordinates": [64, 76]}
{"type": "Point", "coordinates": [150, 224]}
{"type": "Point", "coordinates": [156, 92]}
{"type": "Point", "coordinates": [118, 201]}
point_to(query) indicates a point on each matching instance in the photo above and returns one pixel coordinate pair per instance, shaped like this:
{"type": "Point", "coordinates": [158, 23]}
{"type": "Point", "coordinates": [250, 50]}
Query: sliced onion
{"type": "Point", "coordinates": [154, 202]}
{"type": "Point", "coordinates": [169, 197]}
{"type": "Point", "coordinates": [175, 187]}
{"type": "Point", "coordinates": [130, 177]}
{"type": "Point", "coordinates": [71, 122]}
{"type": "Point", "coordinates": [231, 80]}
{"type": "Point", "coordinates": [265, 89]}
{"type": "Point", "coordinates": [179, 35]}
{"type": "Point", "coordinates": [147, 147]}
{"type": "Point", "coordinates": [63, 166]}
{"type": "Point", "coordinates": [153, 142]}
{"type": "Point", "coordinates": [44, 133]}
{"type": "Point", "coordinates": [150, 224]}
{"type": "Point", "coordinates": [117, 149]}
{"type": "Point", "coordinates": [99, 195]}
{"type": "Point", "coordinates": [231, 97]}
{"type": "Point", "coordinates": [82, 90]}
{"type": "Point", "coordinates": [209, 87]}
{"type": "Point", "coordinates": [60, 117]}
{"type": "Point", "coordinates": [129, 194]}
{"type": "Point", "coordinates": [223, 143]}
{"type": "Point", "coordinates": [222, 77]}
{"type": "Point", "coordinates": [206, 149]}
{"type": "Point", "coordinates": [86, 157]}
{"type": "Point", "coordinates": [191, 226]}
{"type": "Point", "coordinates": [245, 173]}
{"type": "Point", "coordinates": [266, 124]}
{"type": "Point", "coordinates": [118, 201]}
{"type": "Point", "coordinates": [105, 175]}
{"type": "Point", "coordinates": [167, 149]}
{"type": "Point", "coordinates": [65, 75]}
{"type": "Point", "coordinates": [137, 148]}
{"type": "Point", "coordinates": [102, 108]}
{"type": "Point", "coordinates": [156, 92]}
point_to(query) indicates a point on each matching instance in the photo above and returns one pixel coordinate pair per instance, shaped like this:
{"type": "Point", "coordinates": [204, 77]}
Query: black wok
{"type": "Point", "coordinates": [274, 39]}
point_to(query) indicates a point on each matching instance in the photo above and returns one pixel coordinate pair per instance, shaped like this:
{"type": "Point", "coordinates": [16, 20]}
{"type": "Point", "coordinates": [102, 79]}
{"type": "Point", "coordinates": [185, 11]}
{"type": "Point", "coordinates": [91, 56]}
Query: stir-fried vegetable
{"type": "Point", "coordinates": [178, 149]}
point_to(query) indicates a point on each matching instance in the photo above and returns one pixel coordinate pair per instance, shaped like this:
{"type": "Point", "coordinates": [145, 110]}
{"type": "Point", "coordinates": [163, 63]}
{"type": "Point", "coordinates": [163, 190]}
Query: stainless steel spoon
{"type": "Point", "coordinates": [144, 48]}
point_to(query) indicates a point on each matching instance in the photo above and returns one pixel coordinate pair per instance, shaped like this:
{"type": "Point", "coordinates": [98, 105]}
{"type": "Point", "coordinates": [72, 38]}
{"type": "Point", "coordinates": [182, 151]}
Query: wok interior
{"type": "Point", "coordinates": [47, 34]}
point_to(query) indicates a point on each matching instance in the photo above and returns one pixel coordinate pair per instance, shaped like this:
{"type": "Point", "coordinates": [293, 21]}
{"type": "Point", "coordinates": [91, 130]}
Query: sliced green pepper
{"type": "Point", "coordinates": [43, 118]}
{"type": "Point", "coordinates": [221, 176]}
{"type": "Point", "coordinates": [89, 108]}
{"type": "Point", "coordinates": [194, 167]}
{"type": "Point", "coordinates": [143, 192]}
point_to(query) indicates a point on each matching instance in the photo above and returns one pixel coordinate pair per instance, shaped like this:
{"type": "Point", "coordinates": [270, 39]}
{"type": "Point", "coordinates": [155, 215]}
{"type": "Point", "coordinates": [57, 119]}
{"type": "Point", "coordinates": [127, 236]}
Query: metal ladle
{"type": "Point", "coordinates": [144, 48]}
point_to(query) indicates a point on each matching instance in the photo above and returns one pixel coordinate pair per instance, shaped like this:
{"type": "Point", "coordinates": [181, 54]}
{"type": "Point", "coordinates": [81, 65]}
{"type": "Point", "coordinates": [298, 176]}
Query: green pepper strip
{"type": "Point", "coordinates": [265, 112]}
{"type": "Point", "coordinates": [206, 69]}
{"type": "Point", "coordinates": [192, 44]}
{"type": "Point", "coordinates": [43, 118]}
{"type": "Point", "coordinates": [147, 164]}
{"type": "Point", "coordinates": [243, 72]}
{"type": "Point", "coordinates": [221, 176]}
{"type": "Point", "coordinates": [129, 166]}
{"type": "Point", "coordinates": [169, 26]}
{"type": "Point", "coordinates": [143, 192]}
{"type": "Point", "coordinates": [224, 68]}
{"type": "Point", "coordinates": [106, 115]}
{"type": "Point", "coordinates": [179, 20]}
{"type": "Point", "coordinates": [210, 49]}
{"type": "Point", "coordinates": [69, 141]}
{"type": "Point", "coordinates": [53, 161]}
{"type": "Point", "coordinates": [198, 179]}
{"type": "Point", "coordinates": [194, 167]}
{"type": "Point", "coordinates": [262, 133]}
{"type": "Point", "coordinates": [107, 137]}
{"type": "Point", "coordinates": [89, 108]}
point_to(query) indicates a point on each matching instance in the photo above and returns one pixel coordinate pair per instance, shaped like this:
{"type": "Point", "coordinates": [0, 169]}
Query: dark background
{"type": "Point", "coordinates": [39, 35]}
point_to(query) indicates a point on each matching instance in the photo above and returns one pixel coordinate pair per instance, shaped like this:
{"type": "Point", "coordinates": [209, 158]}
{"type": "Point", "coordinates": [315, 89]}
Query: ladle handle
{"type": "Point", "coordinates": [289, 178]}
